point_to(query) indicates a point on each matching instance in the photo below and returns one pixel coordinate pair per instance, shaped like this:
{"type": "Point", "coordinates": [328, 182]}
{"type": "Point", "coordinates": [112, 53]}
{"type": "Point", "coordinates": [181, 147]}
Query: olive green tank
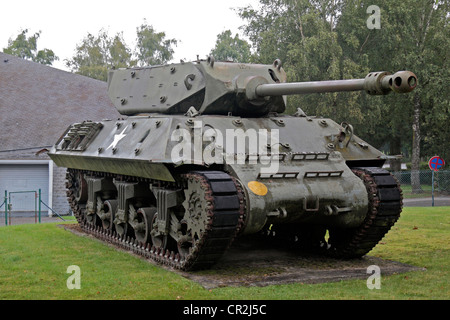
{"type": "Point", "coordinates": [204, 155]}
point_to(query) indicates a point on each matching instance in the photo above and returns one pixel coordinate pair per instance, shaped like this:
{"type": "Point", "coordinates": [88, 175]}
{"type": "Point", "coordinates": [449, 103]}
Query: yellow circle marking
{"type": "Point", "coordinates": [257, 188]}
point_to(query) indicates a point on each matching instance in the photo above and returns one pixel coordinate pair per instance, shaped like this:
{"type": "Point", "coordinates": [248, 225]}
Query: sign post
{"type": "Point", "coordinates": [435, 163]}
{"type": "Point", "coordinates": [6, 207]}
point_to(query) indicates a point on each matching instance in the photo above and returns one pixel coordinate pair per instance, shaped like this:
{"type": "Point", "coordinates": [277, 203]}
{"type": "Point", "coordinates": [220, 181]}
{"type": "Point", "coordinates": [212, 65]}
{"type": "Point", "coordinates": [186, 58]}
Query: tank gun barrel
{"type": "Point", "coordinates": [375, 83]}
{"type": "Point", "coordinates": [309, 87]}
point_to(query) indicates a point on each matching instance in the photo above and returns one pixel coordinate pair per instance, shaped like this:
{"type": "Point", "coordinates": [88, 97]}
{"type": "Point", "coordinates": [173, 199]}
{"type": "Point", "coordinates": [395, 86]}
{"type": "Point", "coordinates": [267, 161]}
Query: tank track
{"type": "Point", "coordinates": [224, 204]}
{"type": "Point", "coordinates": [385, 206]}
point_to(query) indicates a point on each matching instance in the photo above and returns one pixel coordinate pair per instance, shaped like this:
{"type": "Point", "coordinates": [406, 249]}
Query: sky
{"type": "Point", "coordinates": [64, 24]}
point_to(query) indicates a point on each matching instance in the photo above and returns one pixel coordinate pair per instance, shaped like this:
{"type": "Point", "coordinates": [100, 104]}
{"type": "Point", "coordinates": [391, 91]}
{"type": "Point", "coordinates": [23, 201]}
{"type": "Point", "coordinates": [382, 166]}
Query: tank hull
{"type": "Point", "coordinates": [143, 177]}
{"type": "Point", "coordinates": [301, 163]}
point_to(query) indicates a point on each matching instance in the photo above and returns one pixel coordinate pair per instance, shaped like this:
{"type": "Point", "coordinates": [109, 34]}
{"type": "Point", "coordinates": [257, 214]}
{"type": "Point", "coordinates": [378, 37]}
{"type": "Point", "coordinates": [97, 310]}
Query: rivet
{"type": "Point", "coordinates": [237, 122]}
{"type": "Point", "coordinates": [323, 123]}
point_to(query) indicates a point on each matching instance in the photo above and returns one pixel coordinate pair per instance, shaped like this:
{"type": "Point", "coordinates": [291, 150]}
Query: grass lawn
{"type": "Point", "coordinates": [34, 260]}
{"type": "Point", "coordinates": [426, 192]}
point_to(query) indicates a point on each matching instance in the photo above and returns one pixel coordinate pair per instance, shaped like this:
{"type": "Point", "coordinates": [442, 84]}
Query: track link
{"type": "Point", "coordinates": [385, 206]}
{"type": "Point", "coordinates": [223, 204]}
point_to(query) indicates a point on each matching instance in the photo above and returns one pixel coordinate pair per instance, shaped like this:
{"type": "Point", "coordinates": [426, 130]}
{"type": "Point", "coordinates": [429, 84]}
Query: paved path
{"type": "Point", "coordinates": [426, 202]}
{"type": "Point", "coordinates": [26, 220]}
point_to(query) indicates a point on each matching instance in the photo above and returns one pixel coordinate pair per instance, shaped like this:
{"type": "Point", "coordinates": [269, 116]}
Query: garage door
{"type": "Point", "coordinates": [17, 178]}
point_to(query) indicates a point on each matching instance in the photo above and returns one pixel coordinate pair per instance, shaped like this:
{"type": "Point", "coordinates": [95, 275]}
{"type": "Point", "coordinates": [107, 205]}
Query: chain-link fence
{"type": "Point", "coordinates": [421, 181]}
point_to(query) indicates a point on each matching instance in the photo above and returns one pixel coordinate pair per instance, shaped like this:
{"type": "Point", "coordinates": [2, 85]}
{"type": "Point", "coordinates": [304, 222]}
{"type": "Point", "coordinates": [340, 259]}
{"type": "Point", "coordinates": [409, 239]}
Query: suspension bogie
{"type": "Point", "coordinates": [172, 223]}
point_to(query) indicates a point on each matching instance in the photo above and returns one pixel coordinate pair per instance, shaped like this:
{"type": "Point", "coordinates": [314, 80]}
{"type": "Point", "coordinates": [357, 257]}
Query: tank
{"type": "Point", "coordinates": [204, 155]}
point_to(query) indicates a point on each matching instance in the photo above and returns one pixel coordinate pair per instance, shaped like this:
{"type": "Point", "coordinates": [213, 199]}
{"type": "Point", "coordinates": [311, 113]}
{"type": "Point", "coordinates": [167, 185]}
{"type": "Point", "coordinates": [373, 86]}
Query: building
{"type": "Point", "coordinates": [37, 104]}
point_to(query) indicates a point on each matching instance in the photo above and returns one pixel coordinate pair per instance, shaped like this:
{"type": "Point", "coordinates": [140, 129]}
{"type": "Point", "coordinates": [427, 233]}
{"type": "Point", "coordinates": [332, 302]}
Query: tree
{"type": "Point", "coordinates": [152, 48]}
{"type": "Point", "coordinates": [95, 55]}
{"type": "Point", "coordinates": [432, 36]}
{"type": "Point", "coordinates": [26, 48]}
{"type": "Point", "coordinates": [413, 35]}
{"type": "Point", "coordinates": [331, 39]}
{"type": "Point", "coordinates": [384, 124]}
{"type": "Point", "coordinates": [416, 24]}
{"type": "Point", "coordinates": [302, 34]}
{"type": "Point", "coordinates": [230, 48]}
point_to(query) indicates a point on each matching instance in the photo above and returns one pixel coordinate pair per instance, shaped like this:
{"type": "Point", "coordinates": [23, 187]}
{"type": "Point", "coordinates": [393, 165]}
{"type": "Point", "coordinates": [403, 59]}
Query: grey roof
{"type": "Point", "coordinates": [38, 103]}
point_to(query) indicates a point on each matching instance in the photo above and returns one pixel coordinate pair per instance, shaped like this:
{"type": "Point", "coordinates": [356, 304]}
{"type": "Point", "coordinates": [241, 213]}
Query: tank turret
{"type": "Point", "coordinates": [224, 88]}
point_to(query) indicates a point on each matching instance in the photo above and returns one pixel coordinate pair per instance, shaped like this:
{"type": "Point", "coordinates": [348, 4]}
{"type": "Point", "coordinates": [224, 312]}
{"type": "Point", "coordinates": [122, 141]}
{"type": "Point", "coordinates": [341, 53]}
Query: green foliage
{"type": "Point", "coordinates": [230, 48]}
{"type": "Point", "coordinates": [26, 48]}
{"type": "Point", "coordinates": [95, 55]}
{"type": "Point", "coordinates": [302, 34]}
{"type": "Point", "coordinates": [152, 47]}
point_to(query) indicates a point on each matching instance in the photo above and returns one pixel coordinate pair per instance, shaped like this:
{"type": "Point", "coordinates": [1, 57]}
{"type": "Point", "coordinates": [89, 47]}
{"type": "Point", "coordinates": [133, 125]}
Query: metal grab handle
{"type": "Point", "coordinates": [348, 128]}
{"type": "Point", "coordinates": [305, 205]}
